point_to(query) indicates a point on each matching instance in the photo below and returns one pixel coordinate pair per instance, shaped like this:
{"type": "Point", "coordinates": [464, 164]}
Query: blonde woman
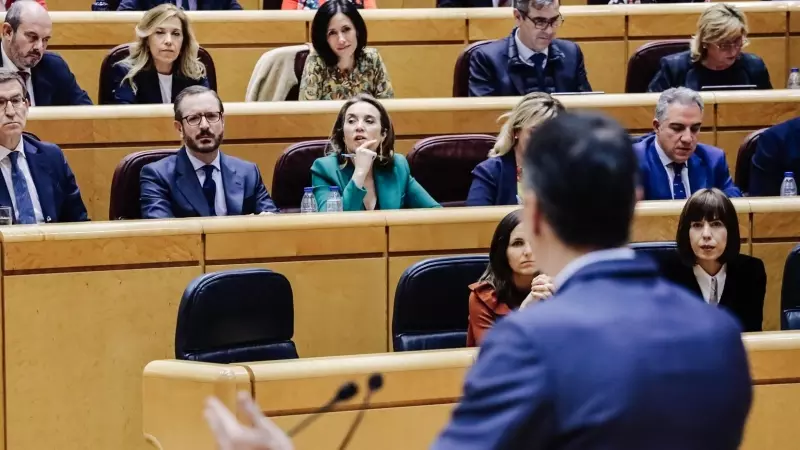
{"type": "Point", "coordinates": [163, 61]}
{"type": "Point", "coordinates": [496, 180]}
{"type": "Point", "coordinates": [715, 57]}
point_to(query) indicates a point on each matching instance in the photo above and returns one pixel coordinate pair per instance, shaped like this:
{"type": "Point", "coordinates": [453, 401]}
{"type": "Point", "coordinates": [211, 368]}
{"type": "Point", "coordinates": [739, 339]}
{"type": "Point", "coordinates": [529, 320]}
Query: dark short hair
{"type": "Point", "coordinates": [319, 29]}
{"type": "Point", "coordinates": [189, 91]}
{"type": "Point", "coordinates": [708, 204]}
{"type": "Point", "coordinates": [385, 152]}
{"type": "Point", "coordinates": [583, 170]}
{"type": "Point", "coordinates": [7, 75]}
{"type": "Point", "coordinates": [498, 273]}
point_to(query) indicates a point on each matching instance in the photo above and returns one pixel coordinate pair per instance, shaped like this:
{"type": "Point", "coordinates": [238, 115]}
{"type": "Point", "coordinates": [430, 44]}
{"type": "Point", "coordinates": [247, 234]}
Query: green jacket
{"type": "Point", "coordinates": [395, 187]}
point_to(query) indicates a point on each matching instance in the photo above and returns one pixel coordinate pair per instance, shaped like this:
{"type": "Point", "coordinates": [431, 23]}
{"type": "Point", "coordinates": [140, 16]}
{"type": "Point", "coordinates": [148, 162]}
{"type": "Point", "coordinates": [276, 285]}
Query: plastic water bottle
{"type": "Point", "coordinates": [334, 203]}
{"type": "Point", "coordinates": [794, 79]}
{"type": "Point", "coordinates": [788, 187]}
{"type": "Point", "coordinates": [308, 204]}
{"type": "Point", "coordinates": [100, 5]}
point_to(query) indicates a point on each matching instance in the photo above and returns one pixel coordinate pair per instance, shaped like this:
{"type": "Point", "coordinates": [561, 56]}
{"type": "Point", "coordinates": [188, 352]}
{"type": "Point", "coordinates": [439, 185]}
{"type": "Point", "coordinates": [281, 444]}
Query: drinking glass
{"type": "Point", "coordinates": [5, 215]}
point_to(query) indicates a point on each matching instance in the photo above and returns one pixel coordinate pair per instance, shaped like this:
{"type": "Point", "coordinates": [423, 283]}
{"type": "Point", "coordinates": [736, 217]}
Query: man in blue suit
{"type": "Point", "coordinates": [530, 59]}
{"type": "Point", "coordinates": [38, 184]}
{"type": "Point", "coordinates": [199, 180]}
{"type": "Point", "coordinates": [672, 165]}
{"type": "Point", "coordinates": [49, 82]}
{"type": "Point", "coordinates": [189, 5]}
{"type": "Point", "coordinates": [777, 152]}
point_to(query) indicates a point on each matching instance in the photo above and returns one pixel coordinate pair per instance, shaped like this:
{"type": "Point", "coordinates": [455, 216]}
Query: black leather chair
{"type": "Point", "coordinates": [656, 250]}
{"type": "Point", "coordinates": [790, 288]}
{"type": "Point", "coordinates": [454, 155]}
{"type": "Point", "coordinates": [646, 60]}
{"type": "Point", "coordinates": [744, 160]}
{"type": "Point", "coordinates": [236, 316]}
{"type": "Point", "coordinates": [125, 188]}
{"type": "Point", "coordinates": [105, 92]}
{"type": "Point", "coordinates": [431, 306]}
{"type": "Point", "coordinates": [790, 319]}
{"type": "Point", "coordinates": [461, 70]}
{"type": "Point", "coordinates": [293, 173]}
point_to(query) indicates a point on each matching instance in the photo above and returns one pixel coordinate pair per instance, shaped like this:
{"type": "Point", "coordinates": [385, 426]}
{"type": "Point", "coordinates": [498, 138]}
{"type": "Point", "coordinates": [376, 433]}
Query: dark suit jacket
{"type": "Point", "coordinates": [54, 84]}
{"type": "Point", "coordinates": [202, 5]}
{"type": "Point", "coordinates": [495, 69]}
{"type": "Point", "coordinates": [617, 359]}
{"type": "Point", "coordinates": [170, 188]}
{"type": "Point", "coordinates": [59, 196]}
{"type": "Point", "coordinates": [148, 89]}
{"type": "Point", "coordinates": [707, 168]}
{"type": "Point", "coordinates": [494, 182]}
{"type": "Point", "coordinates": [777, 152]}
{"type": "Point", "coordinates": [743, 294]}
{"type": "Point", "coordinates": [679, 70]}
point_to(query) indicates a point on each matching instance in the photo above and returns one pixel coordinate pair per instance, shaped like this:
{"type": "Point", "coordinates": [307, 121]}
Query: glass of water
{"type": "Point", "coordinates": [5, 215]}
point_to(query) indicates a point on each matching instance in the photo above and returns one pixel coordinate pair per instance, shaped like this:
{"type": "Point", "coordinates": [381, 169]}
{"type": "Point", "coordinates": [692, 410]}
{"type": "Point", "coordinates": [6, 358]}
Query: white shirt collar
{"type": "Point", "coordinates": [662, 155]}
{"type": "Point", "coordinates": [197, 164]}
{"type": "Point", "coordinates": [704, 281]}
{"type": "Point", "coordinates": [524, 52]}
{"type": "Point", "coordinates": [19, 148]}
{"type": "Point", "coordinates": [7, 63]}
{"type": "Point", "coordinates": [590, 258]}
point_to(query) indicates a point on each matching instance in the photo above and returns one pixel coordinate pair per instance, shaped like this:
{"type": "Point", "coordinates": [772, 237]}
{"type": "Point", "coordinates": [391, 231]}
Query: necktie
{"type": "Point", "coordinates": [714, 297]}
{"type": "Point", "coordinates": [25, 76]}
{"type": "Point", "coordinates": [678, 190]}
{"type": "Point", "coordinates": [23, 197]}
{"type": "Point", "coordinates": [210, 188]}
{"type": "Point", "coordinates": [537, 60]}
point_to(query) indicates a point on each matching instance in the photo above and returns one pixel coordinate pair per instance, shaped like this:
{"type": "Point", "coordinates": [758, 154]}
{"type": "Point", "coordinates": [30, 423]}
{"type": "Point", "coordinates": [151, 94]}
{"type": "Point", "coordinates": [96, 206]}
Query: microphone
{"type": "Point", "coordinates": [345, 392]}
{"type": "Point", "coordinates": [374, 384]}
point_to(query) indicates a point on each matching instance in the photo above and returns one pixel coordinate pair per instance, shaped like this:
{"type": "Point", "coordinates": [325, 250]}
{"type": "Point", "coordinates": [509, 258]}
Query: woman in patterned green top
{"type": "Point", "coordinates": [341, 65]}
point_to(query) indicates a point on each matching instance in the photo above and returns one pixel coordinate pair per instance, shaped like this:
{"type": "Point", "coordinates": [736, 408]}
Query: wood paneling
{"type": "Point", "coordinates": [772, 401]}
{"type": "Point", "coordinates": [773, 51]}
{"type": "Point", "coordinates": [428, 69]}
{"type": "Point", "coordinates": [606, 64]}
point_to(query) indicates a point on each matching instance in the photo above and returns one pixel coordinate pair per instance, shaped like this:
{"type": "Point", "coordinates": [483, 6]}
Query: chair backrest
{"type": "Point", "coordinates": [293, 173]}
{"type": "Point", "coordinates": [125, 189]}
{"type": "Point", "coordinates": [790, 319]}
{"type": "Point", "coordinates": [105, 92]}
{"type": "Point", "coordinates": [299, 65]}
{"type": "Point", "coordinates": [431, 307]}
{"type": "Point", "coordinates": [656, 250]}
{"type": "Point", "coordinates": [790, 289]}
{"type": "Point", "coordinates": [744, 160]}
{"type": "Point", "coordinates": [236, 316]}
{"type": "Point", "coordinates": [461, 69]}
{"type": "Point", "coordinates": [646, 60]}
{"type": "Point", "coordinates": [453, 155]}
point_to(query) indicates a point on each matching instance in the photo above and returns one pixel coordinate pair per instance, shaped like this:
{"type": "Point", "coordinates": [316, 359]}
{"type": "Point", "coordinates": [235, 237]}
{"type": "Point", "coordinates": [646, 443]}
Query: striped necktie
{"type": "Point", "coordinates": [714, 297]}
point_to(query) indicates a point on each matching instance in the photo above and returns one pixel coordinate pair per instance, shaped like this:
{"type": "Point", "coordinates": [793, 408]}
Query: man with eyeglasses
{"type": "Point", "coordinates": [530, 58]}
{"type": "Point", "coordinates": [200, 180]}
{"type": "Point", "coordinates": [38, 184]}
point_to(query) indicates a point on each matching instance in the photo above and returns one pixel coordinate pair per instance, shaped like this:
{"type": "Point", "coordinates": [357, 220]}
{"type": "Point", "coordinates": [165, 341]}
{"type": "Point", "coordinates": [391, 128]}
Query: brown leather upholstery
{"type": "Point", "coordinates": [105, 92]}
{"type": "Point", "coordinates": [646, 60]}
{"type": "Point", "coordinates": [744, 160]}
{"type": "Point", "coordinates": [443, 164]}
{"type": "Point", "coordinates": [125, 189]}
{"type": "Point", "coordinates": [461, 70]}
{"type": "Point", "coordinates": [299, 65]}
{"type": "Point", "coordinates": [293, 173]}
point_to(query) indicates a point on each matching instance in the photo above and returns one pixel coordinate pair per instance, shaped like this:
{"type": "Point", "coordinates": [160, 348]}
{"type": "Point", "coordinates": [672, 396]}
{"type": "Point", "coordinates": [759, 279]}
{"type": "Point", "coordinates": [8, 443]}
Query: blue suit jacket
{"type": "Point", "coordinates": [202, 5]}
{"type": "Point", "coordinates": [617, 359]}
{"type": "Point", "coordinates": [494, 182]}
{"type": "Point", "coordinates": [59, 196]}
{"type": "Point", "coordinates": [495, 69]}
{"type": "Point", "coordinates": [170, 188]}
{"type": "Point", "coordinates": [54, 84]}
{"type": "Point", "coordinates": [707, 168]}
{"type": "Point", "coordinates": [777, 152]}
{"type": "Point", "coordinates": [148, 89]}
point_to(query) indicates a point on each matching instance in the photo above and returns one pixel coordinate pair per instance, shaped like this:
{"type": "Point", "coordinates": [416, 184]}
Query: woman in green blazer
{"type": "Point", "coordinates": [362, 163]}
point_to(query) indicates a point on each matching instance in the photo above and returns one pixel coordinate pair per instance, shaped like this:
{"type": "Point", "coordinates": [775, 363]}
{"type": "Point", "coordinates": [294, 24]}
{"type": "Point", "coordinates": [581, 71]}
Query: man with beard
{"type": "Point", "coordinates": [200, 180]}
{"type": "Point", "coordinates": [26, 31]}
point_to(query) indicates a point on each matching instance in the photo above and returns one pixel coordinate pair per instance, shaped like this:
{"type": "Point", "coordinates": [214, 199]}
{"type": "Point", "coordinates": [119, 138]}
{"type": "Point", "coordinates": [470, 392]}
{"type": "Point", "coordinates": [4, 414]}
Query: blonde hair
{"type": "Point", "coordinates": [718, 23]}
{"type": "Point", "coordinates": [188, 64]}
{"type": "Point", "coordinates": [533, 110]}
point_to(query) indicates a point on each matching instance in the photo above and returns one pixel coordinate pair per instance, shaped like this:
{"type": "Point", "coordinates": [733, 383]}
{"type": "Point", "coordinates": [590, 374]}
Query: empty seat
{"type": "Point", "coordinates": [461, 69]}
{"type": "Point", "coordinates": [790, 319]}
{"type": "Point", "coordinates": [431, 304]}
{"type": "Point", "coordinates": [236, 316]}
{"type": "Point", "coordinates": [646, 60]}
{"type": "Point", "coordinates": [125, 187]}
{"type": "Point", "coordinates": [293, 173]}
{"type": "Point", "coordinates": [270, 80]}
{"type": "Point", "coordinates": [656, 250]}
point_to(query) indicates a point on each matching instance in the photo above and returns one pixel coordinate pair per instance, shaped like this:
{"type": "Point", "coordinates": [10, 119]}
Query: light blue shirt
{"type": "Point", "coordinates": [671, 172]}
{"type": "Point", "coordinates": [220, 206]}
{"type": "Point", "coordinates": [612, 254]}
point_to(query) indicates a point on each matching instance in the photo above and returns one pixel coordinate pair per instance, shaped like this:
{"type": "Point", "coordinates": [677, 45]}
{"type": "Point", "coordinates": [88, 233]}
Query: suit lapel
{"type": "Point", "coordinates": [186, 179]}
{"type": "Point", "coordinates": [698, 175]}
{"type": "Point", "coordinates": [233, 185]}
{"type": "Point", "coordinates": [43, 180]}
{"type": "Point", "coordinates": [386, 187]}
{"type": "Point", "coordinates": [42, 89]}
{"type": "Point", "coordinates": [730, 284]}
{"type": "Point", "coordinates": [149, 87]}
{"type": "Point", "coordinates": [659, 181]}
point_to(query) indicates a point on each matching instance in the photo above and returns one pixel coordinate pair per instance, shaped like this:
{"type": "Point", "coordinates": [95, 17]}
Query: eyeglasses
{"type": "Point", "coordinates": [728, 46]}
{"type": "Point", "coordinates": [16, 101]}
{"type": "Point", "coordinates": [195, 119]}
{"type": "Point", "coordinates": [540, 23]}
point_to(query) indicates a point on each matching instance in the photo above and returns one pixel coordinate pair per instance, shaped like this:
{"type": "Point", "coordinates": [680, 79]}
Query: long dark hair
{"type": "Point", "coordinates": [498, 273]}
{"type": "Point", "coordinates": [319, 29]}
{"type": "Point", "coordinates": [709, 205]}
